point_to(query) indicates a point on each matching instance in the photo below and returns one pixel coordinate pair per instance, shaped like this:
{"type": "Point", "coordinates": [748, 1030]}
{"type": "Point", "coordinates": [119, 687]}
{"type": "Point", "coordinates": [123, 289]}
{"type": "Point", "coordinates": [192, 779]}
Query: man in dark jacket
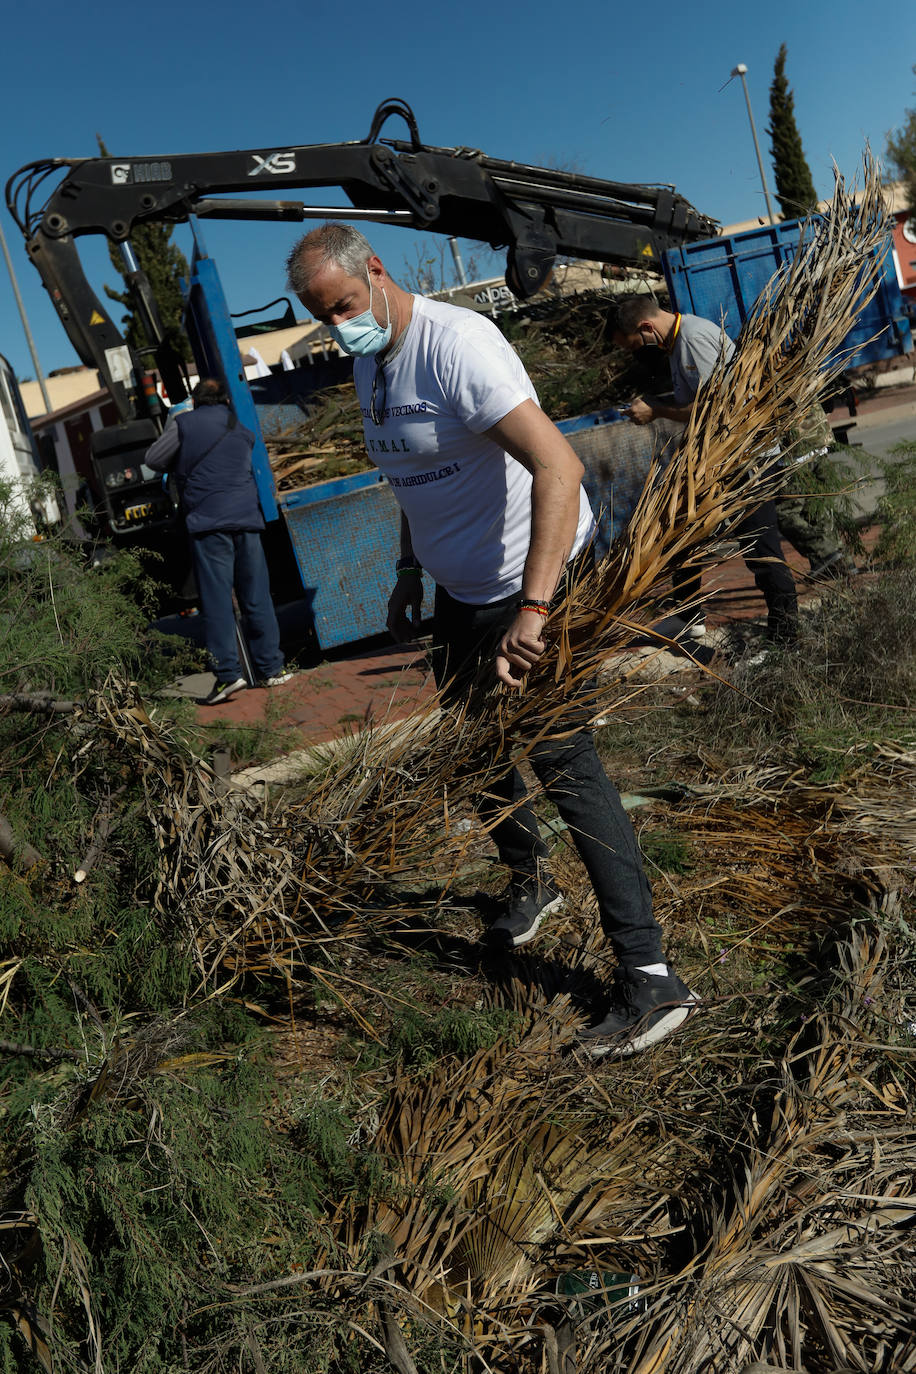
{"type": "Point", "coordinates": [210, 455]}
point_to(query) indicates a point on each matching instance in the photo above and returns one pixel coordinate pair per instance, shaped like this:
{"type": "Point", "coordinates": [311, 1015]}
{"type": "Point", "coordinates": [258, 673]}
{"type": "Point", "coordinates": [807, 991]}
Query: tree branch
{"type": "Point", "coordinates": [11, 847]}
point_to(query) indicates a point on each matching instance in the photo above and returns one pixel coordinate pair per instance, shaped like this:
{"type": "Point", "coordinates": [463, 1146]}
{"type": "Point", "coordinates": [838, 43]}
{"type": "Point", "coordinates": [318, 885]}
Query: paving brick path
{"type": "Point", "coordinates": [321, 703]}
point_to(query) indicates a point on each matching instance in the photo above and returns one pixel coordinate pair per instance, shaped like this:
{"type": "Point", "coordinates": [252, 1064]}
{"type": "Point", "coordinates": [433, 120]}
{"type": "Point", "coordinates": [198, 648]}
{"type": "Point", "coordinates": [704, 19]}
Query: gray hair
{"type": "Point", "coordinates": [330, 243]}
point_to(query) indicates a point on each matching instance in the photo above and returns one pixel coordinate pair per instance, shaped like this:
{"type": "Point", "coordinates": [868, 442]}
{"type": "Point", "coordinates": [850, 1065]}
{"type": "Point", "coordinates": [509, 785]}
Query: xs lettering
{"type": "Point", "coordinates": [273, 163]}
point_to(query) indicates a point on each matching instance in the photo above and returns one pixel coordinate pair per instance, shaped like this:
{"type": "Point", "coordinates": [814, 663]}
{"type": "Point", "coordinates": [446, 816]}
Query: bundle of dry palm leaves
{"type": "Point", "coordinates": [326, 442]}
{"type": "Point", "coordinates": [515, 1168]}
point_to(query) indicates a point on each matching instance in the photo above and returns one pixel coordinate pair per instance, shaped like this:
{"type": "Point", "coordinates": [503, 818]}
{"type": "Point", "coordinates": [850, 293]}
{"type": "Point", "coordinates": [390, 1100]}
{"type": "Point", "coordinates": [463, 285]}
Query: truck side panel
{"type": "Point", "coordinates": [721, 278]}
{"type": "Point", "coordinates": [345, 532]}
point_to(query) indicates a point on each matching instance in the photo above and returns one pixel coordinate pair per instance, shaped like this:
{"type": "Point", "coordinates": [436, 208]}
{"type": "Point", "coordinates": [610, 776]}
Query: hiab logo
{"type": "Point", "coordinates": [120, 173]}
{"type": "Point", "coordinates": [276, 162]}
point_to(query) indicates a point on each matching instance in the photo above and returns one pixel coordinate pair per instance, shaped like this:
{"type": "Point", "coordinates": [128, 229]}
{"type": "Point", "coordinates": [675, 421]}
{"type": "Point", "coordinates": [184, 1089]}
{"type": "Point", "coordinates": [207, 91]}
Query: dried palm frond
{"type": "Point", "coordinates": [325, 441]}
{"type": "Point", "coordinates": [765, 1200]}
{"type": "Point", "coordinates": [519, 1164]}
{"type": "Point", "coordinates": [880, 800]}
{"type": "Point", "coordinates": [788, 349]}
{"type": "Point", "coordinates": [799, 1238]}
{"type": "Point", "coordinates": [835, 1228]}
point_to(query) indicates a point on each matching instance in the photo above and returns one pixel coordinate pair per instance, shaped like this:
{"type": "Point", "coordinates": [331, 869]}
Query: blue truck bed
{"type": "Point", "coordinates": [722, 278]}
{"type": "Point", "coordinates": [346, 532]}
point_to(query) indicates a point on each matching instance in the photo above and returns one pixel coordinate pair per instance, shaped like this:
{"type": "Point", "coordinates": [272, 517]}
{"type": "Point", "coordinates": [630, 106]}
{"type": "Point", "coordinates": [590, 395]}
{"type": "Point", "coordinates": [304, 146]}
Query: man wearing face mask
{"type": "Point", "coordinates": [493, 508]}
{"type": "Point", "coordinates": [693, 346]}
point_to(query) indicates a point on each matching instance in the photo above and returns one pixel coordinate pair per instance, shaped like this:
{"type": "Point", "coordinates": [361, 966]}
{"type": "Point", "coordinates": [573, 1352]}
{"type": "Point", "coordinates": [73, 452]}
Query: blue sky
{"type": "Point", "coordinates": [626, 92]}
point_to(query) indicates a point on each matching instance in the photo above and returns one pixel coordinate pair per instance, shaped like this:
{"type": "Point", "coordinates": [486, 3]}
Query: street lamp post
{"type": "Point", "coordinates": [741, 71]}
{"type": "Point", "coordinates": [25, 323]}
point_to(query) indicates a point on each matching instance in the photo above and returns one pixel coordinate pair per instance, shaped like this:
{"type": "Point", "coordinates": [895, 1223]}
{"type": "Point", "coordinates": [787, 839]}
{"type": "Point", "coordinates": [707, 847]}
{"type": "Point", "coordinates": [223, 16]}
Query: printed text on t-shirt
{"type": "Point", "coordinates": [387, 445]}
{"type": "Point", "coordinates": [420, 479]}
{"type": "Point", "coordinates": [392, 412]}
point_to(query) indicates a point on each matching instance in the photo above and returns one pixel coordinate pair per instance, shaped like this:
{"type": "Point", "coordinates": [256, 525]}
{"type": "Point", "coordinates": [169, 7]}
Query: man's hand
{"type": "Point", "coordinates": [404, 607]}
{"type": "Point", "coordinates": [640, 412]}
{"type": "Point", "coordinates": [520, 648]}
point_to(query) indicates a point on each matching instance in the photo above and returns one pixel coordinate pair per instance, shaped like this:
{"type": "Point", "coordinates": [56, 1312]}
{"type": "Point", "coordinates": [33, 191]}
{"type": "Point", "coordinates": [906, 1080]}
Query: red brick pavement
{"type": "Point", "coordinates": [390, 683]}
{"type": "Point", "coordinates": [323, 702]}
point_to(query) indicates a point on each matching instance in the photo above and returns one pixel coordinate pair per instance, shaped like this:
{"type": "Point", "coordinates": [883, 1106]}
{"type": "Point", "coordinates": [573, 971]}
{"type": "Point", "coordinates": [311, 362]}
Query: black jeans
{"type": "Point", "coordinates": [759, 536]}
{"type": "Point", "coordinates": [465, 639]}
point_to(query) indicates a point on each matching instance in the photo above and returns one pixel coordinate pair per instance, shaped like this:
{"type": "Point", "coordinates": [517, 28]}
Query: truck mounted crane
{"type": "Point", "coordinates": [536, 214]}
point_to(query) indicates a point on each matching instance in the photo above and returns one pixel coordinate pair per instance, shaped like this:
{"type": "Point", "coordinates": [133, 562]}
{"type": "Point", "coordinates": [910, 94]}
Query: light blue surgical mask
{"type": "Point", "coordinates": [362, 335]}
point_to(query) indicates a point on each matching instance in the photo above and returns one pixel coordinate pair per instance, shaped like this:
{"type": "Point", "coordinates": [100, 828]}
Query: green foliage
{"type": "Point", "coordinates": [901, 151]}
{"type": "Point", "coordinates": [64, 625]}
{"type": "Point", "coordinates": [262, 739]}
{"type": "Point", "coordinates": [851, 679]}
{"type": "Point", "coordinates": [334, 1159]}
{"type": "Point", "coordinates": [794, 187]}
{"type": "Point", "coordinates": [164, 264]}
{"type": "Point", "coordinates": [168, 1197]}
{"type": "Point", "coordinates": [669, 852]}
{"type": "Point", "coordinates": [897, 508]}
{"type": "Point", "coordinates": [828, 485]}
{"type": "Point", "coordinates": [10, 1350]}
{"type": "Point", "coordinates": [421, 1039]}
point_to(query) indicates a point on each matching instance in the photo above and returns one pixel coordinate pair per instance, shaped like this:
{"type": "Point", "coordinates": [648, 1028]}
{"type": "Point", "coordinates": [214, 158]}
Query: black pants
{"type": "Point", "coordinates": [465, 639]}
{"type": "Point", "coordinates": [759, 536]}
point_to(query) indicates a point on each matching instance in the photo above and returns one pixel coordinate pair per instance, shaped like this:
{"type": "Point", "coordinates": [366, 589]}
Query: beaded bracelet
{"type": "Point", "coordinates": [541, 607]}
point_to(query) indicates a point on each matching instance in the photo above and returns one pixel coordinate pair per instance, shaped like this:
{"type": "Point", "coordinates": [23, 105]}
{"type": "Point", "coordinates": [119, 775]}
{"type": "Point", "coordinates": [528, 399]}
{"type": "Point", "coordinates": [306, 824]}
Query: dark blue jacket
{"type": "Point", "coordinates": [213, 470]}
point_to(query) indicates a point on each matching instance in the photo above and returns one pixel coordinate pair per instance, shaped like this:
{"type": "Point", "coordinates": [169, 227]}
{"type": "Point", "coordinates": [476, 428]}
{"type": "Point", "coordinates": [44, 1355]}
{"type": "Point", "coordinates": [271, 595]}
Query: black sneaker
{"type": "Point", "coordinates": [525, 904]}
{"type": "Point", "coordinates": [222, 691]}
{"type": "Point", "coordinates": [645, 1007]}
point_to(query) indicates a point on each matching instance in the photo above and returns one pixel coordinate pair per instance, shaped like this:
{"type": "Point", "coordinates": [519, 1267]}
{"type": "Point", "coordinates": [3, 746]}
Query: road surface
{"type": "Point", "coordinates": [876, 432]}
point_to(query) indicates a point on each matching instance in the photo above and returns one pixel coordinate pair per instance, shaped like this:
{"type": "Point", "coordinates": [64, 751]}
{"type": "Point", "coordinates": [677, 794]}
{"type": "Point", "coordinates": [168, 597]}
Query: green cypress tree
{"type": "Point", "coordinates": [901, 152]}
{"type": "Point", "coordinates": [794, 187]}
{"type": "Point", "coordinates": [164, 263]}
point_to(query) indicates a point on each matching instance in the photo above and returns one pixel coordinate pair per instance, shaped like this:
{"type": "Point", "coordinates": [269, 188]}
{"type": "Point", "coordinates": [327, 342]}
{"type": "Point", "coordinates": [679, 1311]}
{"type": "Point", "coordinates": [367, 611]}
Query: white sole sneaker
{"type": "Point", "coordinates": [529, 934]}
{"type": "Point", "coordinates": [620, 1047]}
{"type": "Point", "coordinates": [501, 938]}
{"type": "Point", "coordinates": [223, 691]}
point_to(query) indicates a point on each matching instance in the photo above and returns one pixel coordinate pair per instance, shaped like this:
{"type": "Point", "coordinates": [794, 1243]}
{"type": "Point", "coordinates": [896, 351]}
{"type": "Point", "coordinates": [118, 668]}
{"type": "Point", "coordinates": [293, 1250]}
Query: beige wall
{"type": "Point", "coordinates": [63, 391]}
{"type": "Point", "coordinates": [83, 381]}
{"type": "Point", "coordinates": [894, 199]}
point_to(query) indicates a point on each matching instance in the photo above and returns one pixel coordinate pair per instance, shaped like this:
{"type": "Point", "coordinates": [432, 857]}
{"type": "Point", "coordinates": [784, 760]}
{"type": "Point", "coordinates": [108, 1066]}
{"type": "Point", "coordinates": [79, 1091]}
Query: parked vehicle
{"type": "Point", "coordinates": [19, 462]}
{"type": "Point", "coordinates": [722, 278]}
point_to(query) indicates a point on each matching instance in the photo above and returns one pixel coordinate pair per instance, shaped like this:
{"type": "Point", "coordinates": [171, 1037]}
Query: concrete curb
{"type": "Point", "coordinates": [885, 415]}
{"type": "Point", "coordinates": [291, 766]}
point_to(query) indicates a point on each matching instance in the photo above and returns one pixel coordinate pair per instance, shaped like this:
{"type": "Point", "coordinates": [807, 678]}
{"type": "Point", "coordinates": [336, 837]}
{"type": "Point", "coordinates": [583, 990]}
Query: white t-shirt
{"type": "Point", "coordinates": [467, 501]}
